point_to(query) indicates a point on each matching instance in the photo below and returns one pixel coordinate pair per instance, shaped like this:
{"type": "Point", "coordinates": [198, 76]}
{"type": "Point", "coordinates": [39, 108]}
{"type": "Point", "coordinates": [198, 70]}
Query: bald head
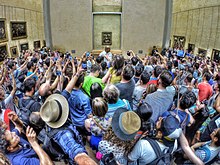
{"type": "Point", "coordinates": [44, 89]}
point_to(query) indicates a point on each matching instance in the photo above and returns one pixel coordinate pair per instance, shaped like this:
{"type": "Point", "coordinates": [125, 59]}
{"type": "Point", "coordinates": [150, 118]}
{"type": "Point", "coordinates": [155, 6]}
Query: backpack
{"type": "Point", "coordinates": [162, 158]}
{"type": "Point", "coordinates": [24, 111]}
{"type": "Point", "coordinates": [51, 147]}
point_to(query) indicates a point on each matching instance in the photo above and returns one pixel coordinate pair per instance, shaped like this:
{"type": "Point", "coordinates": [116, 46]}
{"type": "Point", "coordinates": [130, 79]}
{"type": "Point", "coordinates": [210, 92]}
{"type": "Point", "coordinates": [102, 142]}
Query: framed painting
{"type": "Point", "coordinates": [216, 55]}
{"type": "Point", "coordinates": [202, 52]}
{"type": "Point", "coordinates": [14, 51]}
{"type": "Point", "coordinates": [36, 44]}
{"type": "Point", "coordinates": [3, 52]}
{"type": "Point", "coordinates": [3, 31]}
{"type": "Point", "coordinates": [18, 30]}
{"type": "Point", "coordinates": [24, 46]}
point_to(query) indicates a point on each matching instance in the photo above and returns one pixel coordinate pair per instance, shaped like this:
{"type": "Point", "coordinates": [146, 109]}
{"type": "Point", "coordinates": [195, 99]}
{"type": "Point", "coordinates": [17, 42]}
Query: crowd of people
{"type": "Point", "coordinates": [160, 109]}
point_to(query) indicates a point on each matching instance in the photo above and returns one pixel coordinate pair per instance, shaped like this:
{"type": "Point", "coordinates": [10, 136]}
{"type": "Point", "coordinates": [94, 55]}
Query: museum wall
{"type": "Point", "coordinates": [199, 22]}
{"type": "Point", "coordinates": [78, 24]}
{"type": "Point", "coordinates": [29, 11]}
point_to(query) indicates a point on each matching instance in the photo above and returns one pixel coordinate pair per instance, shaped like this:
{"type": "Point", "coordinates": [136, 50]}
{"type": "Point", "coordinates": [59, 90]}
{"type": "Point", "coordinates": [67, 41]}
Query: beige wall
{"type": "Point", "coordinates": [142, 23]}
{"type": "Point", "coordinates": [29, 11]}
{"type": "Point", "coordinates": [71, 25]}
{"type": "Point", "coordinates": [198, 21]}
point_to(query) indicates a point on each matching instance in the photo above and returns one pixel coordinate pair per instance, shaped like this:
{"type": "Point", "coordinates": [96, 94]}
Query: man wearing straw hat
{"type": "Point", "coordinates": [55, 113]}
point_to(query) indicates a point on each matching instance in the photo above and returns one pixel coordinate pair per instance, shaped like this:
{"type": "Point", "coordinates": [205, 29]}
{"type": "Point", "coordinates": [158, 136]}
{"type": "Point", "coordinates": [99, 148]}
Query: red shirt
{"type": "Point", "coordinates": [205, 91]}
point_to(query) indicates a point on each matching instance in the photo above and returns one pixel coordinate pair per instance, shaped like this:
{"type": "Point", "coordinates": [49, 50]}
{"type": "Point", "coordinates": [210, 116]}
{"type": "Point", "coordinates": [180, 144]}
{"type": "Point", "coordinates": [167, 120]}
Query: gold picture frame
{"type": "Point", "coordinates": [3, 52]}
{"type": "Point", "coordinates": [18, 30]}
{"type": "Point", "coordinates": [14, 51]}
{"type": "Point", "coordinates": [24, 46]}
{"type": "Point", "coordinates": [3, 31]}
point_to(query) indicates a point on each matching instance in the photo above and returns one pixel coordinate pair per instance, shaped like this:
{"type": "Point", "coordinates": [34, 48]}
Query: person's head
{"type": "Point", "coordinates": [103, 65]}
{"type": "Point", "coordinates": [165, 79]}
{"type": "Point", "coordinates": [80, 81]}
{"type": "Point", "coordinates": [207, 76]}
{"type": "Point", "coordinates": [107, 49]}
{"type": "Point", "coordinates": [44, 89]}
{"type": "Point", "coordinates": [95, 90]}
{"type": "Point", "coordinates": [99, 59]}
{"type": "Point", "coordinates": [139, 69]}
{"type": "Point", "coordinates": [128, 72]}
{"type": "Point", "coordinates": [151, 88]}
{"type": "Point", "coordinates": [111, 94]}
{"type": "Point", "coordinates": [99, 107]}
{"type": "Point", "coordinates": [47, 62]}
{"type": "Point", "coordinates": [217, 86]}
{"type": "Point", "coordinates": [157, 71]}
{"type": "Point", "coordinates": [9, 140]}
{"type": "Point", "coordinates": [134, 60]}
{"type": "Point", "coordinates": [187, 100]}
{"type": "Point", "coordinates": [30, 65]}
{"type": "Point", "coordinates": [118, 63]}
{"type": "Point", "coordinates": [144, 112]}
{"type": "Point", "coordinates": [29, 85]}
{"type": "Point", "coordinates": [145, 77]}
{"type": "Point", "coordinates": [36, 122]}
{"type": "Point", "coordinates": [169, 65]}
{"type": "Point", "coordinates": [189, 78]}
{"type": "Point", "coordinates": [215, 136]}
{"type": "Point", "coordinates": [95, 69]}
{"type": "Point", "coordinates": [12, 65]}
{"type": "Point", "coordinates": [196, 66]}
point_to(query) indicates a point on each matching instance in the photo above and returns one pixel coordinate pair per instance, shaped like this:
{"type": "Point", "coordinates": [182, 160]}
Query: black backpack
{"type": "Point", "coordinates": [162, 158]}
{"type": "Point", "coordinates": [24, 111]}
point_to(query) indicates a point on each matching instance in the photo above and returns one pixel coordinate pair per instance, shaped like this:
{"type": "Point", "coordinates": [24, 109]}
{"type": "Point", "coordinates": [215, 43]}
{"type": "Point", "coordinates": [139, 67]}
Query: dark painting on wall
{"type": "Point", "coordinates": [18, 30]}
{"type": "Point", "coordinates": [14, 51]}
{"type": "Point", "coordinates": [106, 38]}
{"type": "Point", "coordinates": [24, 47]}
{"type": "Point", "coordinates": [3, 52]}
{"type": "Point", "coordinates": [36, 44]}
{"type": "Point", "coordinates": [3, 31]}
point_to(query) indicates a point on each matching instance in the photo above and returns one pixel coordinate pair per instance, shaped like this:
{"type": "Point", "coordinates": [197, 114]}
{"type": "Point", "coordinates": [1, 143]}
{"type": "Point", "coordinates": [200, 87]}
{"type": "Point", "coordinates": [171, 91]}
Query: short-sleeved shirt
{"type": "Point", "coordinates": [114, 78]}
{"type": "Point", "coordinates": [137, 95]}
{"type": "Point", "coordinates": [144, 152]}
{"type": "Point", "coordinates": [88, 81]}
{"type": "Point", "coordinates": [205, 91]}
{"type": "Point", "coordinates": [120, 104]}
{"type": "Point", "coordinates": [25, 155]}
{"type": "Point", "coordinates": [126, 90]}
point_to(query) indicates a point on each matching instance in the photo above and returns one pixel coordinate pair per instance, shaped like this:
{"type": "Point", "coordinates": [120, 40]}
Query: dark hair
{"type": "Point", "coordinates": [134, 60]}
{"type": "Point", "coordinates": [166, 78]}
{"type": "Point", "coordinates": [144, 112]}
{"type": "Point", "coordinates": [145, 77]}
{"type": "Point", "coordinates": [103, 65]}
{"type": "Point", "coordinates": [11, 64]}
{"type": "Point", "coordinates": [29, 84]}
{"type": "Point", "coordinates": [128, 72]}
{"type": "Point", "coordinates": [95, 67]}
{"type": "Point", "coordinates": [157, 71]}
{"type": "Point", "coordinates": [139, 69]}
{"type": "Point", "coordinates": [218, 136]}
{"type": "Point", "coordinates": [3, 143]}
{"type": "Point", "coordinates": [196, 65]}
{"type": "Point", "coordinates": [36, 122]}
{"type": "Point", "coordinates": [80, 80]}
{"type": "Point", "coordinates": [34, 60]}
{"type": "Point", "coordinates": [47, 62]}
{"type": "Point", "coordinates": [207, 76]}
{"type": "Point", "coordinates": [99, 59]}
{"type": "Point", "coordinates": [95, 90]}
{"type": "Point", "coordinates": [118, 63]}
{"type": "Point", "coordinates": [189, 77]}
{"type": "Point", "coordinates": [187, 100]}
{"type": "Point", "coordinates": [30, 64]}
{"type": "Point", "coordinates": [99, 107]}
{"type": "Point", "coordinates": [169, 65]}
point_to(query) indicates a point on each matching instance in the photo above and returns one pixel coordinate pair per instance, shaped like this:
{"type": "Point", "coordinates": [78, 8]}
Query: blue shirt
{"type": "Point", "coordinates": [80, 107]}
{"type": "Point", "coordinates": [34, 76]}
{"type": "Point", "coordinates": [120, 104]}
{"type": "Point", "coordinates": [25, 155]}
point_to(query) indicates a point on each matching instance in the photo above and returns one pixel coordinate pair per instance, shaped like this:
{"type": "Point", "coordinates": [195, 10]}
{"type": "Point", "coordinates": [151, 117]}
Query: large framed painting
{"type": "Point", "coordinates": [14, 51]}
{"type": "Point", "coordinates": [3, 52]}
{"type": "Point", "coordinates": [18, 30]}
{"type": "Point", "coordinates": [24, 46]}
{"type": "Point", "coordinates": [3, 31]}
{"type": "Point", "coordinates": [36, 44]}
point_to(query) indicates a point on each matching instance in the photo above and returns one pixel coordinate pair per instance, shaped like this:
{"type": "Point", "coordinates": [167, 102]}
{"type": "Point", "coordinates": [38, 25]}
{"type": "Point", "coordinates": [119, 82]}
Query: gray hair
{"type": "Point", "coordinates": [111, 94]}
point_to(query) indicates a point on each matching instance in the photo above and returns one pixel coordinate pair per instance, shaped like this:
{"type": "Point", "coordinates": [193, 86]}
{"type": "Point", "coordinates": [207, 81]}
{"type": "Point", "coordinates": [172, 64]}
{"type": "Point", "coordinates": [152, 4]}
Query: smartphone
{"type": "Point", "coordinates": [84, 65]}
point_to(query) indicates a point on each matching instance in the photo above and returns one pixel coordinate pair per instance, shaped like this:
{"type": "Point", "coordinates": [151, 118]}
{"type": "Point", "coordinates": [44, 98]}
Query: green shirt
{"type": "Point", "coordinates": [88, 81]}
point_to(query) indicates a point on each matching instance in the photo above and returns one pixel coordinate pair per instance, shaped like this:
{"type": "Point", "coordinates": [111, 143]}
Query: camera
{"type": "Point", "coordinates": [128, 53]}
